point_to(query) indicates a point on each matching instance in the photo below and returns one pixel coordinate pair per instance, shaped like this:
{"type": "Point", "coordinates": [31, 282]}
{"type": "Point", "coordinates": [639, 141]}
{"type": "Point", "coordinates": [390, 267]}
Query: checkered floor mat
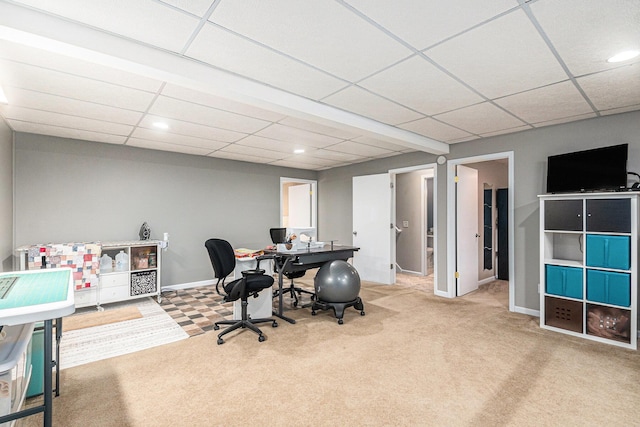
{"type": "Point", "coordinates": [196, 309]}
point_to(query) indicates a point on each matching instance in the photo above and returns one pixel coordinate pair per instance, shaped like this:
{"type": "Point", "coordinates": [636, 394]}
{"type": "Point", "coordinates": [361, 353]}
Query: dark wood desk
{"type": "Point", "coordinates": [303, 260]}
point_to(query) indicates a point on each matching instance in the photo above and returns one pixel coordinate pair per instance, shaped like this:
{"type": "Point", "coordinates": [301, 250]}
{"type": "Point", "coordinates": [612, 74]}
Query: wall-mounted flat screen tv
{"type": "Point", "coordinates": [600, 169]}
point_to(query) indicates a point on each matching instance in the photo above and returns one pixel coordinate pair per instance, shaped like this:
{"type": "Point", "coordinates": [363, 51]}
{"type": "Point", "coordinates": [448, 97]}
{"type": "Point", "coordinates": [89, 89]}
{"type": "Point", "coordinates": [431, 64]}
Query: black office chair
{"type": "Point", "coordinates": [223, 261]}
{"type": "Point", "coordinates": [279, 235]}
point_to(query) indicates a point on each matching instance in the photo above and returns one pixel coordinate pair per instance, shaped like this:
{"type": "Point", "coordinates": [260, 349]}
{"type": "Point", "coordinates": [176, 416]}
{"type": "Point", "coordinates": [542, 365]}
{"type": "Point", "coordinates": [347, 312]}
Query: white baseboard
{"type": "Point", "coordinates": [527, 311]}
{"type": "Point", "coordinates": [443, 294]}
{"type": "Point", "coordinates": [487, 280]}
{"type": "Point", "coordinates": [188, 285]}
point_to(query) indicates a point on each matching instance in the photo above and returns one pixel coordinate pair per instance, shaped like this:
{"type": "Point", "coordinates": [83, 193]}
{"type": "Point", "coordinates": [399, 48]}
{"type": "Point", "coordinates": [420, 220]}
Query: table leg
{"type": "Point", "coordinates": [48, 366]}
{"type": "Point", "coordinates": [57, 361]}
{"type": "Point", "coordinates": [280, 311]}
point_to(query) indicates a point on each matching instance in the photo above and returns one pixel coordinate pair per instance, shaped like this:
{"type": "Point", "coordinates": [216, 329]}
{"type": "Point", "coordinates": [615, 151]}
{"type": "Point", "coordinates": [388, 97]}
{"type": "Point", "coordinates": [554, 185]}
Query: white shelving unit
{"type": "Point", "coordinates": [589, 266]}
{"type": "Point", "coordinates": [142, 277]}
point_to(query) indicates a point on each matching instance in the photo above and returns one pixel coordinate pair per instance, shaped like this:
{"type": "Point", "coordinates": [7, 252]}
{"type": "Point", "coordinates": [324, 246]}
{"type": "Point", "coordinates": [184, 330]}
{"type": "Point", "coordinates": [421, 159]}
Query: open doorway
{"type": "Point", "coordinates": [483, 263]}
{"type": "Point", "coordinates": [298, 202]}
{"type": "Point", "coordinates": [414, 223]}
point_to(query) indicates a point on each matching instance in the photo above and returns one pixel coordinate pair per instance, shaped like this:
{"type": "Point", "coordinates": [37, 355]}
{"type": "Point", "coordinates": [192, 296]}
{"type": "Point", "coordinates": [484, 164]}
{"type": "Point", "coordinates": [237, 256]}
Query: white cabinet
{"type": "Point", "coordinates": [589, 266]}
{"type": "Point", "coordinates": [136, 277]}
{"type": "Point", "coordinates": [139, 276]}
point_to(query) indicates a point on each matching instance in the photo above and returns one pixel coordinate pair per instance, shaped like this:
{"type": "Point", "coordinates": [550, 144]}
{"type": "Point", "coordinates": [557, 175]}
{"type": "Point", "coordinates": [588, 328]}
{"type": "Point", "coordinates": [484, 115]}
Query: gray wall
{"type": "Point", "coordinates": [408, 208]}
{"type": "Point", "coordinates": [531, 149]}
{"type": "Point", "coordinates": [6, 197]}
{"type": "Point", "coordinates": [68, 190]}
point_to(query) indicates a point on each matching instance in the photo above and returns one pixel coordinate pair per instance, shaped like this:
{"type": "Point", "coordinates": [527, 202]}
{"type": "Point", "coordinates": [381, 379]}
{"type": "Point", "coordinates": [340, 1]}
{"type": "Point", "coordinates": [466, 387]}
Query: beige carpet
{"type": "Point", "coordinates": [97, 318]}
{"type": "Point", "coordinates": [413, 360]}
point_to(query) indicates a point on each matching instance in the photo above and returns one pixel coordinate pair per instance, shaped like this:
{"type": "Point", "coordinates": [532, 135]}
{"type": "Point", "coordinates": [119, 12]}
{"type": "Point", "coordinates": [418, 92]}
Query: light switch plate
{"type": "Point", "coordinates": [405, 224]}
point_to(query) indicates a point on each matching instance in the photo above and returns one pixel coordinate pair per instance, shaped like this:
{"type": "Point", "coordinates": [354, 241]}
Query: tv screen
{"type": "Point", "coordinates": [600, 169]}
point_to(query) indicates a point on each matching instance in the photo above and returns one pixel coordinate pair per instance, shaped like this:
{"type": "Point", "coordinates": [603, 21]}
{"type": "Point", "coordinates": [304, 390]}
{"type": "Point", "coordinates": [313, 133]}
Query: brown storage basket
{"type": "Point", "coordinates": [562, 313]}
{"type": "Point", "coordinates": [609, 322]}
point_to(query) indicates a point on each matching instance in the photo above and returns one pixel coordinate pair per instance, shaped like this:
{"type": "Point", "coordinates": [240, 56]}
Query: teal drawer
{"type": "Point", "coordinates": [609, 287]}
{"type": "Point", "coordinates": [563, 281]}
{"type": "Point", "coordinates": [609, 251]}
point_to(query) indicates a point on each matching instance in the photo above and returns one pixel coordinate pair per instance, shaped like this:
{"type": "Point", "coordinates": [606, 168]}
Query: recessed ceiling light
{"type": "Point", "coordinates": [161, 125]}
{"type": "Point", "coordinates": [3, 98]}
{"type": "Point", "coordinates": [624, 56]}
{"type": "Point", "coordinates": [298, 151]}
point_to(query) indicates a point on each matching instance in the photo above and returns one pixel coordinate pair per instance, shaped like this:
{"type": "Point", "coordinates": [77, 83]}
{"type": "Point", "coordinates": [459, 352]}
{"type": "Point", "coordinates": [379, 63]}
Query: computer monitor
{"type": "Point", "coordinates": [303, 235]}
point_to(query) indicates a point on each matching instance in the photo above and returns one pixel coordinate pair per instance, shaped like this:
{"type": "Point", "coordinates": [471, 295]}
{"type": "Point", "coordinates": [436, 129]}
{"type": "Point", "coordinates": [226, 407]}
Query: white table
{"type": "Point", "coordinates": [39, 296]}
{"type": "Point", "coordinates": [261, 307]}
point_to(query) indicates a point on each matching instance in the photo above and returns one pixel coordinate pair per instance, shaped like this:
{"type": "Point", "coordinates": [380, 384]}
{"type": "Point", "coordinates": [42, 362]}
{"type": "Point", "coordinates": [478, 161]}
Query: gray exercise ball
{"type": "Point", "coordinates": [337, 281]}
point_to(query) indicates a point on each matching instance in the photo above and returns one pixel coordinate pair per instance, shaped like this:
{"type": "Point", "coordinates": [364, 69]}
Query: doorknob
{"type": "Point", "coordinates": [355, 233]}
{"type": "Point", "coordinates": [477, 235]}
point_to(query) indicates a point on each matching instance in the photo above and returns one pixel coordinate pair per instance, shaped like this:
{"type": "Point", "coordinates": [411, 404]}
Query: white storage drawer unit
{"type": "Point", "coordinates": [15, 367]}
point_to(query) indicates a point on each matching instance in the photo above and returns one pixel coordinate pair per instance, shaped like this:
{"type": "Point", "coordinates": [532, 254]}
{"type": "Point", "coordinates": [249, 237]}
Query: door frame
{"type": "Point", "coordinates": [314, 198]}
{"type": "Point", "coordinates": [451, 230]}
{"type": "Point", "coordinates": [392, 175]}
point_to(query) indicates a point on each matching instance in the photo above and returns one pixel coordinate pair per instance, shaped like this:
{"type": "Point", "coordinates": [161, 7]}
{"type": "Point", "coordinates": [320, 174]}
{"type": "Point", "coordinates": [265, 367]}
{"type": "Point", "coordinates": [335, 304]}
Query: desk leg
{"type": "Point", "coordinates": [280, 311]}
{"type": "Point", "coordinates": [48, 366]}
{"type": "Point", "coordinates": [57, 361]}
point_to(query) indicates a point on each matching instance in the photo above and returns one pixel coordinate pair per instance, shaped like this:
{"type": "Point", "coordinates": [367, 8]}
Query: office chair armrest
{"type": "Point", "coordinates": [261, 257]}
{"type": "Point", "coordinates": [254, 272]}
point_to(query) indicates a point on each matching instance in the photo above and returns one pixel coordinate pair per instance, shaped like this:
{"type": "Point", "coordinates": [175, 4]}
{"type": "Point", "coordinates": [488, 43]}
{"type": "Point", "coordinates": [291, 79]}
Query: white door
{"type": "Point", "coordinates": [466, 230]}
{"type": "Point", "coordinates": [372, 228]}
{"type": "Point", "coordinates": [300, 205]}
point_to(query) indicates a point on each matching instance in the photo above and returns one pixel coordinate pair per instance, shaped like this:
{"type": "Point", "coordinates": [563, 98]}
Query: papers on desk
{"type": "Point", "coordinates": [247, 253]}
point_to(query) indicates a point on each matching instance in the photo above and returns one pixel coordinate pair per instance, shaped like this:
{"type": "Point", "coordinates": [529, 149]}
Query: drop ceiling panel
{"type": "Point", "coordinates": [74, 87]}
{"type": "Point", "coordinates": [419, 85]}
{"type": "Point", "coordinates": [192, 129]}
{"type": "Point", "coordinates": [251, 151]}
{"type": "Point", "coordinates": [614, 88]}
{"type": "Point", "coordinates": [195, 113]}
{"type": "Point", "coordinates": [381, 144]}
{"type": "Point", "coordinates": [363, 150]}
{"type": "Point", "coordinates": [227, 51]}
{"type": "Point", "coordinates": [480, 118]}
{"type": "Point", "coordinates": [197, 7]}
{"type": "Point", "coordinates": [12, 112]}
{"type": "Point", "coordinates": [596, 32]}
{"type": "Point", "coordinates": [424, 23]}
{"type": "Point", "coordinates": [565, 120]}
{"type": "Point", "coordinates": [303, 163]}
{"type": "Point", "coordinates": [360, 101]}
{"type": "Point", "coordinates": [162, 146]}
{"type": "Point", "coordinates": [240, 157]}
{"type": "Point", "coordinates": [73, 66]}
{"type": "Point", "coordinates": [172, 138]}
{"type": "Point", "coordinates": [620, 110]}
{"type": "Point", "coordinates": [208, 100]}
{"type": "Point", "coordinates": [434, 129]}
{"type": "Point", "coordinates": [72, 107]}
{"type": "Point", "coordinates": [65, 132]}
{"type": "Point", "coordinates": [145, 20]}
{"type": "Point", "coordinates": [506, 131]}
{"type": "Point", "coordinates": [275, 145]}
{"type": "Point", "coordinates": [317, 128]}
{"type": "Point", "coordinates": [326, 35]}
{"type": "Point", "coordinates": [336, 156]}
{"type": "Point", "coordinates": [546, 103]}
{"type": "Point", "coordinates": [503, 57]}
{"type": "Point", "coordinates": [303, 159]}
{"type": "Point", "coordinates": [294, 135]}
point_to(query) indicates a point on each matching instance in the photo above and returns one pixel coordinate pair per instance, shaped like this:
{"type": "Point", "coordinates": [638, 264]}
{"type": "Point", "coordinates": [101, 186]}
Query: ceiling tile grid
{"type": "Point", "coordinates": [345, 80]}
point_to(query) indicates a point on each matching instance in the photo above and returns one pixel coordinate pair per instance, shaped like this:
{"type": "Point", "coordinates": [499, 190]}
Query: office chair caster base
{"type": "Point", "coordinates": [274, 324]}
{"type": "Point", "coordinates": [261, 338]}
{"type": "Point", "coordinates": [220, 341]}
{"type": "Point", "coordinates": [340, 321]}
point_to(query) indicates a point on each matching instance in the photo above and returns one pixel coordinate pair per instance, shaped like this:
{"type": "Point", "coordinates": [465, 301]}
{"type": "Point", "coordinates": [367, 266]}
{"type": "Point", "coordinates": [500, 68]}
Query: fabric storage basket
{"type": "Point", "coordinates": [564, 281]}
{"type": "Point", "coordinates": [609, 287]}
{"type": "Point", "coordinates": [609, 251]}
